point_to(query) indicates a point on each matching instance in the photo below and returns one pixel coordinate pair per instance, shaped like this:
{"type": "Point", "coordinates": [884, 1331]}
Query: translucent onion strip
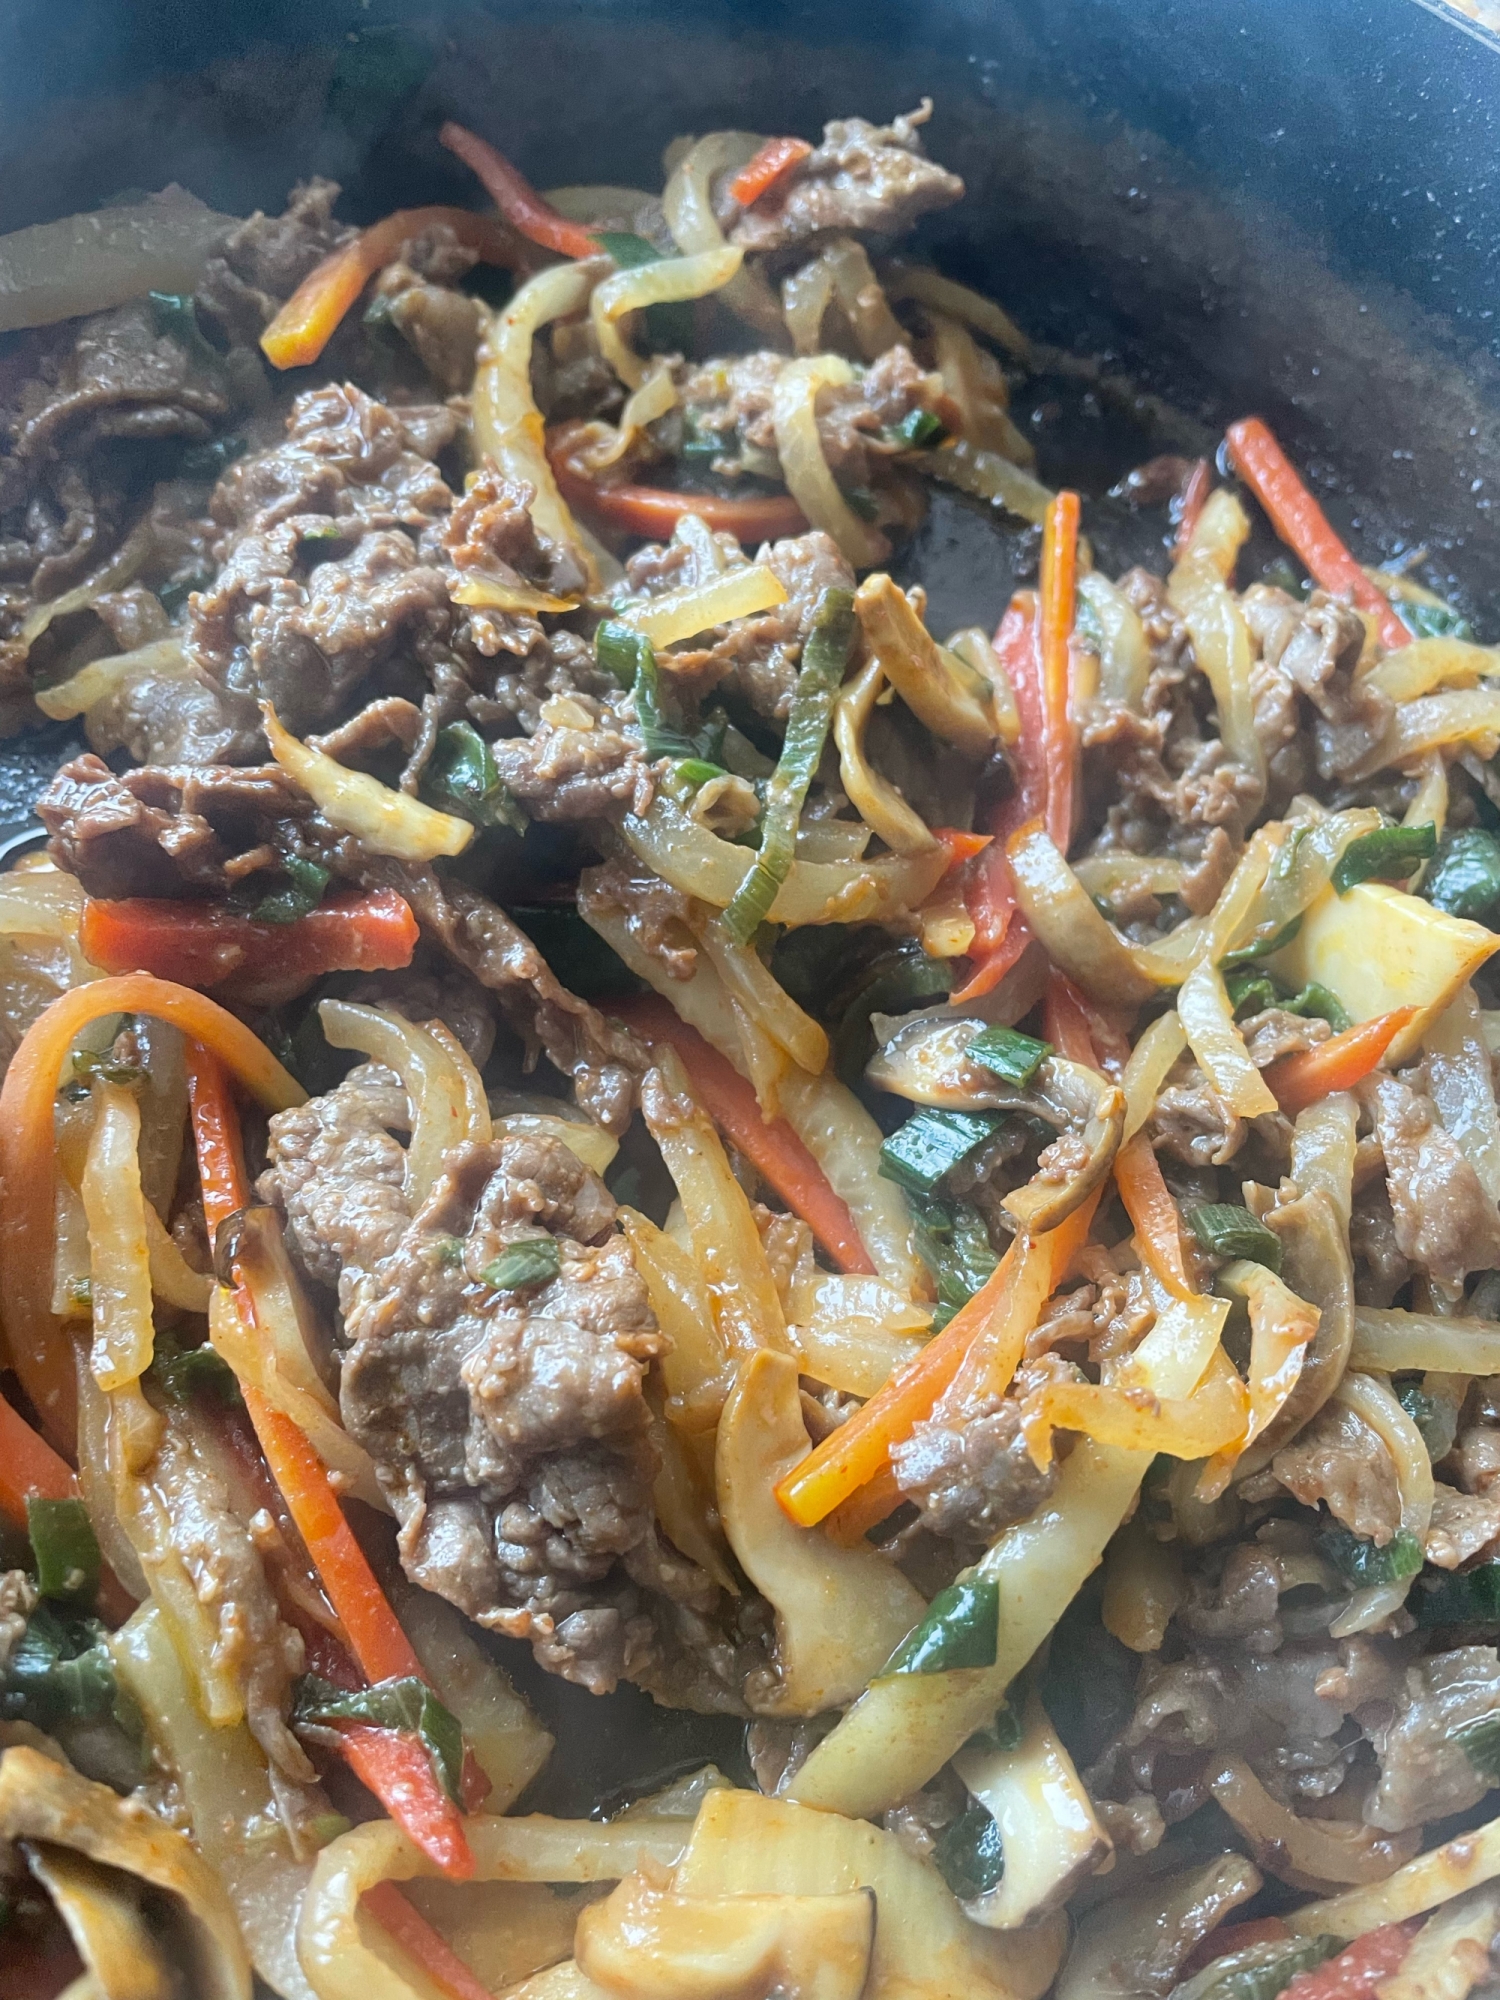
{"type": "Point", "coordinates": [1461, 1083]}
{"type": "Point", "coordinates": [1208, 1020]}
{"type": "Point", "coordinates": [387, 822]}
{"type": "Point", "coordinates": [1373, 1400]}
{"type": "Point", "coordinates": [1323, 1143]}
{"type": "Point", "coordinates": [680, 614]}
{"type": "Point", "coordinates": [443, 1113]}
{"type": "Point", "coordinates": [988, 475]}
{"type": "Point", "coordinates": [119, 1256]}
{"type": "Point", "coordinates": [1436, 722]}
{"type": "Point", "coordinates": [1282, 1328]}
{"type": "Point", "coordinates": [803, 466]}
{"type": "Point", "coordinates": [1124, 656]}
{"type": "Point", "coordinates": [915, 281]}
{"type": "Point", "coordinates": [1199, 592]}
{"type": "Point", "coordinates": [688, 203]}
{"type": "Point", "coordinates": [696, 1369]}
{"type": "Point", "coordinates": [756, 987]}
{"type": "Point", "coordinates": [873, 797]}
{"type": "Point", "coordinates": [99, 680]}
{"type": "Point", "coordinates": [1150, 1063]}
{"type": "Point", "coordinates": [1428, 664]}
{"type": "Point", "coordinates": [669, 280]}
{"type": "Point", "coordinates": [1397, 1342]}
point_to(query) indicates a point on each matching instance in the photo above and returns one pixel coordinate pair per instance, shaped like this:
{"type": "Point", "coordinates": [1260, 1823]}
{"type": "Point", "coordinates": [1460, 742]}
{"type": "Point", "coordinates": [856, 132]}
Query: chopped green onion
{"type": "Point", "coordinates": [620, 649]}
{"type": "Point", "coordinates": [824, 659]}
{"type": "Point", "coordinates": [969, 1854]}
{"type": "Point", "coordinates": [461, 777]}
{"type": "Point", "coordinates": [1259, 1971]}
{"type": "Point", "coordinates": [100, 1066]}
{"type": "Point", "coordinates": [628, 250]}
{"type": "Point", "coordinates": [700, 443]}
{"type": "Point", "coordinates": [1004, 1733]}
{"type": "Point", "coordinates": [1225, 1230]}
{"type": "Point", "coordinates": [1316, 1000]}
{"type": "Point", "coordinates": [1471, 1597]}
{"type": "Point", "coordinates": [954, 1244]}
{"type": "Point", "coordinates": [1389, 854]}
{"type": "Point", "coordinates": [176, 316]}
{"type": "Point", "coordinates": [406, 1704]}
{"type": "Point", "coordinates": [916, 430]}
{"type": "Point", "coordinates": [1014, 1056]}
{"type": "Point", "coordinates": [1260, 947]}
{"type": "Point", "coordinates": [1464, 879]}
{"type": "Point", "coordinates": [1363, 1563]}
{"type": "Point", "coordinates": [932, 1142]}
{"type": "Point", "coordinates": [65, 1547]}
{"type": "Point", "coordinates": [1480, 1743]}
{"type": "Point", "coordinates": [59, 1671]}
{"type": "Point", "coordinates": [861, 501]}
{"type": "Point", "coordinates": [1426, 1415]}
{"type": "Point", "coordinates": [961, 1629]}
{"type": "Point", "coordinates": [1251, 992]}
{"type": "Point", "coordinates": [182, 1372]}
{"type": "Point", "coordinates": [688, 775]}
{"type": "Point", "coordinates": [1433, 621]}
{"type": "Point", "coordinates": [535, 1261]}
{"type": "Point", "coordinates": [304, 891]}
{"type": "Point", "coordinates": [631, 658]}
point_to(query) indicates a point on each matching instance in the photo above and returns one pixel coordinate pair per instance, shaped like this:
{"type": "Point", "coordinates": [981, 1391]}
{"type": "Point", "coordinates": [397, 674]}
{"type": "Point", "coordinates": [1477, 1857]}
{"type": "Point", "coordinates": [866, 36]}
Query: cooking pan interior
{"type": "Point", "coordinates": [1239, 206]}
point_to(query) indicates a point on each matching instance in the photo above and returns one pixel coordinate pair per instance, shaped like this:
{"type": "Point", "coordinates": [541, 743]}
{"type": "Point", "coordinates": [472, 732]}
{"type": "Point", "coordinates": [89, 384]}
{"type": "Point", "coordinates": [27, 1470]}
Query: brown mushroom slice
{"type": "Point", "coordinates": [41, 1800]}
{"type": "Point", "coordinates": [1317, 1854]}
{"type": "Point", "coordinates": [103, 1912]}
{"type": "Point", "coordinates": [645, 1943]}
{"type": "Point", "coordinates": [1315, 1263]}
{"type": "Point", "coordinates": [927, 1062]}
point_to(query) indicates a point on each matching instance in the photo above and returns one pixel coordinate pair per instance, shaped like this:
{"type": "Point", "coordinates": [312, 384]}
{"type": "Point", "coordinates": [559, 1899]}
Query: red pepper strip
{"type": "Point", "coordinates": [395, 1766]}
{"type": "Point", "coordinates": [422, 1944]}
{"type": "Point", "coordinates": [1356, 1974]}
{"type": "Point", "coordinates": [961, 846]}
{"type": "Point", "coordinates": [1192, 500]}
{"type": "Point", "coordinates": [1000, 932]}
{"type": "Point", "coordinates": [380, 1647]}
{"type": "Point", "coordinates": [311, 316]}
{"type": "Point", "coordinates": [771, 164]}
{"type": "Point", "coordinates": [774, 1148]}
{"type": "Point", "coordinates": [1337, 1064]}
{"type": "Point", "coordinates": [1303, 526]}
{"type": "Point", "coordinates": [204, 945]}
{"type": "Point", "coordinates": [1059, 594]}
{"type": "Point", "coordinates": [1081, 1031]}
{"type": "Point", "coordinates": [654, 511]}
{"type": "Point", "coordinates": [515, 197]}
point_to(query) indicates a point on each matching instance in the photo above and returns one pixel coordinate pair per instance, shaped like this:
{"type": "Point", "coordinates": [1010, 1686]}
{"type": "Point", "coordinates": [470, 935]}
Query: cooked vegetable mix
{"type": "Point", "coordinates": [592, 1095]}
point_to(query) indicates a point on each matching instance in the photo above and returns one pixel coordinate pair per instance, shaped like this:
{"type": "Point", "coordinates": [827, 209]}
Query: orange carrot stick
{"type": "Point", "coordinates": [1304, 527]}
{"type": "Point", "coordinates": [1153, 1213]}
{"type": "Point", "coordinates": [1193, 499]}
{"type": "Point", "coordinates": [40, 1353]}
{"type": "Point", "coordinates": [859, 1450]}
{"type": "Point", "coordinates": [421, 1943]}
{"type": "Point", "coordinates": [774, 1148]}
{"type": "Point", "coordinates": [515, 197]}
{"type": "Point", "coordinates": [848, 1525]}
{"type": "Point", "coordinates": [771, 164]}
{"type": "Point", "coordinates": [29, 1468]}
{"type": "Point", "coordinates": [1337, 1064]}
{"type": "Point", "coordinates": [1059, 589]}
{"type": "Point", "coordinates": [312, 315]}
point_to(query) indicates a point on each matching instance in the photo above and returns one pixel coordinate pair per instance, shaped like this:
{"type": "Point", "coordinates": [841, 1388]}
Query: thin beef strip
{"type": "Point", "coordinates": [1425, 1770]}
{"type": "Point", "coordinates": [862, 177]}
{"type": "Point", "coordinates": [264, 259]}
{"type": "Point", "coordinates": [1338, 1459]}
{"type": "Point", "coordinates": [1446, 1224]}
{"type": "Point", "coordinates": [1311, 650]}
{"type": "Point", "coordinates": [509, 1429]}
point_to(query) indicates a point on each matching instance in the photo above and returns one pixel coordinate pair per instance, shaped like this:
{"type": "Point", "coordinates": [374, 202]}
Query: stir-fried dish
{"type": "Point", "coordinates": [590, 1100]}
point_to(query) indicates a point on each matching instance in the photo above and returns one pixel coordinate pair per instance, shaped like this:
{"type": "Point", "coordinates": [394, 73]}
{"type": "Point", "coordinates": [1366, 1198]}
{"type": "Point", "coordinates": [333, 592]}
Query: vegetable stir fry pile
{"type": "Point", "coordinates": [590, 1097]}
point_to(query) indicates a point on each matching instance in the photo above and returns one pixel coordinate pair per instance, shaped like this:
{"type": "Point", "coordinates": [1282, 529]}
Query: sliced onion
{"type": "Point", "coordinates": [84, 263]}
{"type": "Point", "coordinates": [988, 476]}
{"type": "Point", "coordinates": [1057, 907]}
{"type": "Point", "coordinates": [757, 989]}
{"type": "Point", "coordinates": [1282, 1329]}
{"type": "Point", "coordinates": [794, 411]}
{"type": "Point", "coordinates": [1150, 1064]}
{"type": "Point", "coordinates": [1307, 1853]}
{"type": "Point", "coordinates": [944, 692]}
{"type": "Point", "coordinates": [1373, 1400]}
{"type": "Point", "coordinates": [687, 202]}
{"type": "Point", "coordinates": [443, 1112]}
{"type": "Point", "coordinates": [119, 1257]}
{"type": "Point", "coordinates": [873, 796]}
{"type": "Point", "coordinates": [98, 680]}
{"type": "Point", "coordinates": [1124, 656]}
{"type": "Point", "coordinates": [1397, 1342]}
{"type": "Point", "coordinates": [490, 593]}
{"type": "Point", "coordinates": [1199, 592]}
{"type": "Point", "coordinates": [1323, 1142]}
{"type": "Point", "coordinates": [1108, 875]}
{"type": "Point", "coordinates": [668, 281]}
{"type": "Point", "coordinates": [974, 382]}
{"type": "Point", "coordinates": [1433, 722]}
{"type": "Point", "coordinates": [387, 822]}
{"type": "Point", "coordinates": [1207, 1018]}
{"type": "Point", "coordinates": [655, 397]}
{"type": "Point", "coordinates": [915, 281]}
{"type": "Point", "coordinates": [1428, 664]}
{"type": "Point", "coordinates": [679, 614]}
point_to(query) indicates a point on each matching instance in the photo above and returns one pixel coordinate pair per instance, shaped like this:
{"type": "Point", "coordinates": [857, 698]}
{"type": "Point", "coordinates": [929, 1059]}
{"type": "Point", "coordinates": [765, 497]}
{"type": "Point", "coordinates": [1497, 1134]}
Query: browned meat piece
{"type": "Point", "coordinates": [566, 773]}
{"type": "Point", "coordinates": [491, 532]}
{"type": "Point", "coordinates": [1425, 1771]}
{"type": "Point", "coordinates": [416, 294]}
{"type": "Point", "coordinates": [758, 657]}
{"type": "Point", "coordinates": [1240, 1607]}
{"type": "Point", "coordinates": [654, 911]}
{"type": "Point", "coordinates": [1339, 1459]}
{"type": "Point", "coordinates": [1380, 1270]}
{"type": "Point", "coordinates": [1276, 1033]}
{"type": "Point", "coordinates": [863, 176]}
{"type": "Point", "coordinates": [1202, 883]}
{"type": "Point", "coordinates": [1313, 650]}
{"type": "Point", "coordinates": [509, 1428]}
{"type": "Point", "coordinates": [266, 257]}
{"type": "Point", "coordinates": [1445, 1222]}
{"type": "Point", "coordinates": [163, 832]}
{"type": "Point", "coordinates": [974, 1477]}
{"type": "Point", "coordinates": [1463, 1525]}
{"type": "Point", "coordinates": [1191, 1122]}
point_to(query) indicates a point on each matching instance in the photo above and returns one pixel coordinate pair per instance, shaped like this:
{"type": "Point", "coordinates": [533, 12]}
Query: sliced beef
{"type": "Point", "coordinates": [1425, 1770]}
{"type": "Point", "coordinates": [509, 1428]}
{"type": "Point", "coordinates": [1446, 1224]}
{"type": "Point", "coordinates": [264, 259]}
{"type": "Point", "coordinates": [1274, 1033]}
{"type": "Point", "coordinates": [1191, 1122]}
{"type": "Point", "coordinates": [1463, 1525]}
{"type": "Point", "coordinates": [862, 177]}
{"type": "Point", "coordinates": [1313, 650]}
{"type": "Point", "coordinates": [1339, 1459]}
{"type": "Point", "coordinates": [973, 1477]}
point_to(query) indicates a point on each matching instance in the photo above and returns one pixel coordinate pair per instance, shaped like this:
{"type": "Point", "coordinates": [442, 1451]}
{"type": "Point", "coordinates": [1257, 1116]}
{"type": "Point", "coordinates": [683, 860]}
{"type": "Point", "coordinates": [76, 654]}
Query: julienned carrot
{"type": "Point", "coordinates": [654, 511]}
{"type": "Point", "coordinates": [1193, 499]}
{"type": "Point", "coordinates": [395, 1766]}
{"type": "Point", "coordinates": [515, 197]}
{"type": "Point", "coordinates": [312, 315]}
{"type": "Point", "coordinates": [31, 1470]}
{"type": "Point", "coordinates": [774, 1148]}
{"type": "Point", "coordinates": [1000, 931]}
{"type": "Point", "coordinates": [1059, 593]}
{"type": "Point", "coordinates": [859, 1450]}
{"type": "Point", "coordinates": [848, 1525]}
{"type": "Point", "coordinates": [961, 846]}
{"type": "Point", "coordinates": [421, 1943]}
{"type": "Point", "coordinates": [28, 1170]}
{"type": "Point", "coordinates": [1304, 527]}
{"type": "Point", "coordinates": [1067, 1022]}
{"type": "Point", "coordinates": [1153, 1213]}
{"type": "Point", "coordinates": [771, 164]}
{"type": "Point", "coordinates": [1337, 1064]}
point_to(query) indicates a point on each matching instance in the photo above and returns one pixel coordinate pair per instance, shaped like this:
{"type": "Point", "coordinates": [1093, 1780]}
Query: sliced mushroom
{"type": "Point", "coordinates": [927, 1062]}
{"type": "Point", "coordinates": [41, 1800]}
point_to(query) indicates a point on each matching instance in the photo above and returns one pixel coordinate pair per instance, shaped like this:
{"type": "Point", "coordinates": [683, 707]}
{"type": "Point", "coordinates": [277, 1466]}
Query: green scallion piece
{"type": "Point", "coordinates": [1480, 1743]}
{"type": "Point", "coordinates": [1363, 1563]}
{"type": "Point", "coordinates": [824, 659]}
{"type": "Point", "coordinates": [916, 430]}
{"type": "Point", "coordinates": [1389, 854]}
{"type": "Point", "coordinates": [961, 1629]}
{"type": "Point", "coordinates": [405, 1704]}
{"type": "Point", "coordinates": [65, 1547]}
{"type": "Point", "coordinates": [929, 1144]}
{"type": "Point", "coordinates": [1434, 621]}
{"type": "Point", "coordinates": [461, 777]}
{"type": "Point", "coordinates": [628, 250]}
{"type": "Point", "coordinates": [1014, 1056]}
{"type": "Point", "coordinates": [620, 649]}
{"type": "Point", "coordinates": [969, 1854]}
{"type": "Point", "coordinates": [1315, 999]}
{"type": "Point", "coordinates": [1260, 947]}
{"type": "Point", "coordinates": [534, 1261]}
{"type": "Point", "coordinates": [1464, 879]}
{"type": "Point", "coordinates": [1225, 1230]}
{"type": "Point", "coordinates": [306, 881]}
{"type": "Point", "coordinates": [1469, 1597]}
